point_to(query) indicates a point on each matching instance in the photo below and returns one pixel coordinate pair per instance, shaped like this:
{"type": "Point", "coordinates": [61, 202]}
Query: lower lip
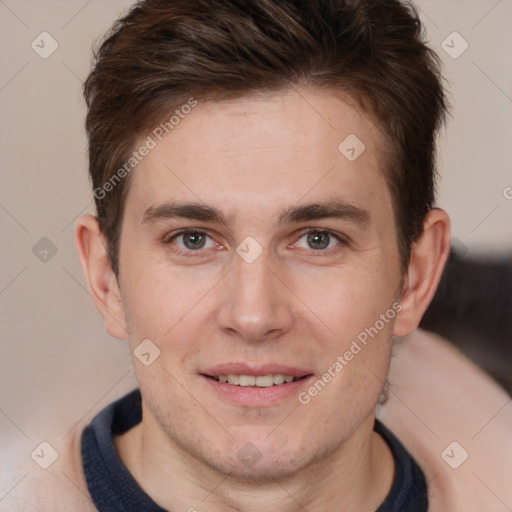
{"type": "Point", "coordinates": [254, 396]}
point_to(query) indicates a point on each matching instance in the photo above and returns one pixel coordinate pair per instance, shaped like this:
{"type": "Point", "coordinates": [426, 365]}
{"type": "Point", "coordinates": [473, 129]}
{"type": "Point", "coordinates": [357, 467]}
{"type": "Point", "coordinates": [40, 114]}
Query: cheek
{"type": "Point", "coordinates": [177, 314]}
{"type": "Point", "coordinates": [357, 306]}
{"type": "Point", "coordinates": [158, 298]}
{"type": "Point", "coordinates": [348, 298]}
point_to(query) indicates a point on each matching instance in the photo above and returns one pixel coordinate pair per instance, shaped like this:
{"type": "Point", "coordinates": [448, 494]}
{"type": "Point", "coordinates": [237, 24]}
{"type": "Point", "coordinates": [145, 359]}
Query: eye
{"type": "Point", "coordinates": [194, 240]}
{"type": "Point", "coordinates": [321, 240]}
{"type": "Point", "coordinates": [190, 240]}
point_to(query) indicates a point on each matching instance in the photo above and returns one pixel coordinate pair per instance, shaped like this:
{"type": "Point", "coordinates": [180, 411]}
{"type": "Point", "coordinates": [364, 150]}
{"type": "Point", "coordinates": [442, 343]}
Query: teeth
{"type": "Point", "coordinates": [261, 381]}
{"type": "Point", "coordinates": [278, 379]}
{"type": "Point", "coordinates": [247, 380]}
{"type": "Point", "coordinates": [264, 381]}
{"type": "Point", "coordinates": [234, 379]}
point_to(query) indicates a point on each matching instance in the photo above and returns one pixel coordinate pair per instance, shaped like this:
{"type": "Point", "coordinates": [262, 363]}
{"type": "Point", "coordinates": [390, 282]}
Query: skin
{"type": "Point", "coordinates": [299, 303]}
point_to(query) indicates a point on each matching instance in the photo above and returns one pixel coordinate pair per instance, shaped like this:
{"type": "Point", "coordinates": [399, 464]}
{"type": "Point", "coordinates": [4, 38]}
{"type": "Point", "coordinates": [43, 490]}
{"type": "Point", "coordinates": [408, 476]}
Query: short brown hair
{"type": "Point", "coordinates": [163, 52]}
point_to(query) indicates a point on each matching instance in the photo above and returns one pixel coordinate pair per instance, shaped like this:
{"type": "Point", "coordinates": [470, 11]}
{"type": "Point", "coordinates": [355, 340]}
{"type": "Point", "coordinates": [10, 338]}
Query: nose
{"type": "Point", "coordinates": [256, 303]}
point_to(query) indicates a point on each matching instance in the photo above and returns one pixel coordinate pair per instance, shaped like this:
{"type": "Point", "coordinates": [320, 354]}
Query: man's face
{"type": "Point", "coordinates": [214, 305]}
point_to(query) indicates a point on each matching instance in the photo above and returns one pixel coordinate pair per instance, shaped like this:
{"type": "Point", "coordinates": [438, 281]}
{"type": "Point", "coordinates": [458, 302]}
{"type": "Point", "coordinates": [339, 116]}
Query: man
{"type": "Point", "coordinates": [266, 233]}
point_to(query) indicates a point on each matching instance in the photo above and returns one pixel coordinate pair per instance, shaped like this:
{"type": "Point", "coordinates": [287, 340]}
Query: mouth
{"type": "Point", "coordinates": [256, 381]}
{"type": "Point", "coordinates": [264, 385]}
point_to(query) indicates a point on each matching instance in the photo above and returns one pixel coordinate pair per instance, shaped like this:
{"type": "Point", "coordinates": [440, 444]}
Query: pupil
{"type": "Point", "coordinates": [195, 239]}
{"type": "Point", "coordinates": [321, 240]}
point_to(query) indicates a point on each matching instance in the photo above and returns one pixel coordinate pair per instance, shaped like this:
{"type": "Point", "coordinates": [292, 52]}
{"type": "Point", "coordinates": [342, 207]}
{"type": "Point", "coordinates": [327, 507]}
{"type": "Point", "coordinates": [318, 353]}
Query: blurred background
{"type": "Point", "coordinates": [58, 366]}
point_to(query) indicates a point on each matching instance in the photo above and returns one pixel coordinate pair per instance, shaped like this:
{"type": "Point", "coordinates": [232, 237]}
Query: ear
{"type": "Point", "coordinates": [101, 280]}
{"type": "Point", "coordinates": [428, 257]}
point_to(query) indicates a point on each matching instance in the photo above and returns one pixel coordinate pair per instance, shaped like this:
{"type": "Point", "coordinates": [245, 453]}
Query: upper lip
{"type": "Point", "coordinates": [260, 369]}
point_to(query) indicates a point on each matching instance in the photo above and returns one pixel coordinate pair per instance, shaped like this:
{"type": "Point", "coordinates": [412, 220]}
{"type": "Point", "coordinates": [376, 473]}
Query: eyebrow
{"type": "Point", "coordinates": [330, 209]}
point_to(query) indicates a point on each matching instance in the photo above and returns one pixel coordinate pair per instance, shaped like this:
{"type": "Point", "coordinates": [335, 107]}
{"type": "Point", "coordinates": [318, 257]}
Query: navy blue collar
{"type": "Point", "coordinates": [113, 489]}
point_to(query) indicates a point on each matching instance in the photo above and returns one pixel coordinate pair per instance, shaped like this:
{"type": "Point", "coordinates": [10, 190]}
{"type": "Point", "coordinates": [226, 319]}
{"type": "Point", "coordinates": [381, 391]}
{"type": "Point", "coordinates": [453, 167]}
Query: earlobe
{"type": "Point", "coordinates": [101, 281]}
{"type": "Point", "coordinates": [428, 258]}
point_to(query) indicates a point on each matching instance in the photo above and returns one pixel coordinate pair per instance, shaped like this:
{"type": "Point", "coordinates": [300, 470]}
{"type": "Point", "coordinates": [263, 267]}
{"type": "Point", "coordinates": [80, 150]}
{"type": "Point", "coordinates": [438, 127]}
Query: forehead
{"type": "Point", "coordinates": [265, 150]}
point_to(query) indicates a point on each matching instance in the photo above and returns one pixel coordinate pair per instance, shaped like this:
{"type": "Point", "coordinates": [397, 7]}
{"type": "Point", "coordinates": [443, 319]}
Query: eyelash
{"type": "Point", "coordinates": [342, 239]}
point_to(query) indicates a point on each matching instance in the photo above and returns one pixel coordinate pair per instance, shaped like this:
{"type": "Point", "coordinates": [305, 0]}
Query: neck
{"type": "Point", "coordinates": [356, 476]}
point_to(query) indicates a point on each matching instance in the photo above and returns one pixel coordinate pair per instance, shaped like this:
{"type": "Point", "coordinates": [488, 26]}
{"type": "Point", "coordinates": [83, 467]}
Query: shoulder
{"type": "Point", "coordinates": [60, 487]}
{"type": "Point", "coordinates": [454, 420]}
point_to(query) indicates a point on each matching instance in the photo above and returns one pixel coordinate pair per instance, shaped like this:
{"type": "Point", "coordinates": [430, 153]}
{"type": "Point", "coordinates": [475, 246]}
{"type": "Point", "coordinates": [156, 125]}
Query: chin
{"type": "Point", "coordinates": [264, 468]}
{"type": "Point", "coordinates": [257, 458]}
